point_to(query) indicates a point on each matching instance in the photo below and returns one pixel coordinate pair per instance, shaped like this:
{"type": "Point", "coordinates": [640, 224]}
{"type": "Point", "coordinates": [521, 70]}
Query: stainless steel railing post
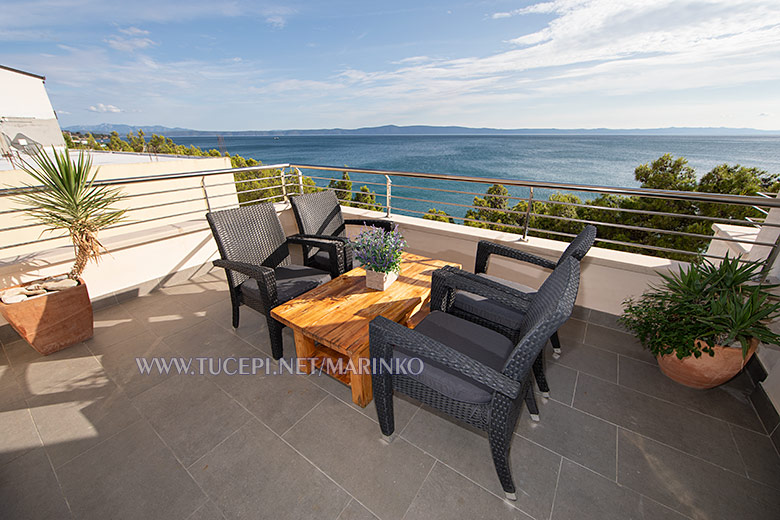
{"type": "Point", "coordinates": [300, 180]}
{"type": "Point", "coordinates": [528, 214]}
{"type": "Point", "coordinates": [205, 193]}
{"type": "Point", "coordinates": [388, 193]}
{"type": "Point", "coordinates": [284, 186]}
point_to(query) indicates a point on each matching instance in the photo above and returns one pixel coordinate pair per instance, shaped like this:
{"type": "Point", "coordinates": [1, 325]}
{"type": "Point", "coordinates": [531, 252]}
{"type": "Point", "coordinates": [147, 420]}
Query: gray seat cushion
{"type": "Point", "coordinates": [291, 281]}
{"type": "Point", "coordinates": [489, 310]}
{"type": "Point", "coordinates": [486, 346]}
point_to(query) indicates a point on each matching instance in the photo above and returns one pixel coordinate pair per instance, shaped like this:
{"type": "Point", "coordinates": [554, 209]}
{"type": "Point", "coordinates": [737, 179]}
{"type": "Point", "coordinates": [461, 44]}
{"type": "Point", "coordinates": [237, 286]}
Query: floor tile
{"type": "Point", "coordinates": [403, 407]}
{"type": "Point", "coordinates": [762, 461]}
{"type": "Point", "coordinates": [583, 494]}
{"type": "Point", "coordinates": [250, 321]}
{"type": "Point", "coordinates": [616, 341]}
{"type": "Point", "coordinates": [724, 402]}
{"type": "Point", "coordinates": [446, 495]}
{"type": "Point", "coordinates": [197, 295]}
{"type": "Point", "coordinates": [121, 362]}
{"type": "Point", "coordinates": [18, 434]}
{"type": "Point", "coordinates": [572, 330]}
{"type": "Point", "coordinates": [36, 373]}
{"type": "Point", "coordinates": [690, 485]}
{"type": "Point", "coordinates": [205, 339]}
{"type": "Point", "coordinates": [75, 419]}
{"type": "Point", "coordinates": [163, 314]}
{"type": "Point", "coordinates": [130, 475]}
{"type": "Point", "coordinates": [535, 469]}
{"type": "Point", "coordinates": [279, 400]}
{"type": "Point", "coordinates": [207, 511]}
{"type": "Point", "coordinates": [254, 473]}
{"type": "Point", "coordinates": [561, 380]}
{"type": "Point", "coordinates": [665, 422]}
{"type": "Point", "coordinates": [29, 489]}
{"type": "Point", "coordinates": [112, 325]}
{"type": "Point", "coordinates": [191, 414]}
{"type": "Point", "coordinates": [576, 435]}
{"type": "Point", "coordinates": [346, 445]}
{"type": "Point", "coordinates": [354, 511]}
{"type": "Point", "coordinates": [594, 361]}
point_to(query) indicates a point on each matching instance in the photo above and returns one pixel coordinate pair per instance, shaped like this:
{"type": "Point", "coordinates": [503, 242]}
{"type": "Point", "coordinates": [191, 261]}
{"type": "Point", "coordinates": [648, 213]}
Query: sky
{"type": "Point", "coordinates": [270, 65]}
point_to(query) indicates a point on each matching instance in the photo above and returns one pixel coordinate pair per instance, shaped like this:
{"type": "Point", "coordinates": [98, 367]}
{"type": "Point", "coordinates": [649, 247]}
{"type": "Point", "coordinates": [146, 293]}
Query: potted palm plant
{"type": "Point", "coordinates": [64, 196]}
{"type": "Point", "coordinates": [379, 252]}
{"type": "Point", "coordinates": [704, 322]}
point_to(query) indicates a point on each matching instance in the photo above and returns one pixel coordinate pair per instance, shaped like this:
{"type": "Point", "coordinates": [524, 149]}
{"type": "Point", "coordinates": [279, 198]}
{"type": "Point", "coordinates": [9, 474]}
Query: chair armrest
{"type": "Point", "coordinates": [387, 225]}
{"type": "Point", "coordinates": [486, 248]}
{"type": "Point", "coordinates": [335, 249]}
{"type": "Point", "coordinates": [265, 276]}
{"type": "Point", "coordinates": [384, 334]}
{"type": "Point", "coordinates": [445, 282]}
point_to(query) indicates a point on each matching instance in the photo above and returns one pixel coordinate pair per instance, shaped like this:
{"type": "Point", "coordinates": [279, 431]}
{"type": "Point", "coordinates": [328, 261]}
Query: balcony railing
{"type": "Point", "coordinates": [288, 179]}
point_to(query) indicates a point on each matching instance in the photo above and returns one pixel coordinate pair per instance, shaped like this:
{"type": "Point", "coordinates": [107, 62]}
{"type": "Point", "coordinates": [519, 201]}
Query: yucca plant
{"type": "Point", "coordinates": [718, 304]}
{"type": "Point", "coordinates": [65, 197]}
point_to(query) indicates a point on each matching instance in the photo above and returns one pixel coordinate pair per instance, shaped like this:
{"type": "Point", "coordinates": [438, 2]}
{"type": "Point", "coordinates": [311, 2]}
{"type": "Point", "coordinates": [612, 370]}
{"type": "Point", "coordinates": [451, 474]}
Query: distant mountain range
{"type": "Point", "coordinates": [107, 128]}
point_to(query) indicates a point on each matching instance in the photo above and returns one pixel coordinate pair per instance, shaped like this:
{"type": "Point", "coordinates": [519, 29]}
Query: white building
{"type": "Point", "coordinates": [26, 116]}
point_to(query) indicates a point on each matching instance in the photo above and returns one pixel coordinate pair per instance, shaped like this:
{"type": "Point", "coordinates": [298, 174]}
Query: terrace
{"type": "Point", "coordinates": [85, 435]}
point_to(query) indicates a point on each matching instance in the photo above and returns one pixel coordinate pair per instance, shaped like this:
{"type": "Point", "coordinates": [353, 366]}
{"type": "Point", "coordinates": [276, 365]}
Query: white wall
{"type": "Point", "coordinates": [23, 96]}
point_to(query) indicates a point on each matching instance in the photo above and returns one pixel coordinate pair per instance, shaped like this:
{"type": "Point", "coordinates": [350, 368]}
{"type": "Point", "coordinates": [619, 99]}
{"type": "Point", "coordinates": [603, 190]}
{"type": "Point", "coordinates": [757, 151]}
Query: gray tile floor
{"type": "Point", "coordinates": [84, 435]}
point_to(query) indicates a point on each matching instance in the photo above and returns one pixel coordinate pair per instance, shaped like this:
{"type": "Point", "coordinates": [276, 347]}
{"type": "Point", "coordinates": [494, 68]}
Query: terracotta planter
{"type": "Point", "coordinates": [52, 321]}
{"type": "Point", "coordinates": [706, 371]}
{"type": "Point", "coordinates": [379, 281]}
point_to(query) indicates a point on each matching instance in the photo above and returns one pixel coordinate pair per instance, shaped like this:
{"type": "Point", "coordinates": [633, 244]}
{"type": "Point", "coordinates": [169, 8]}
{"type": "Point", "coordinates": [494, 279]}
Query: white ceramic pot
{"type": "Point", "coordinates": [379, 281]}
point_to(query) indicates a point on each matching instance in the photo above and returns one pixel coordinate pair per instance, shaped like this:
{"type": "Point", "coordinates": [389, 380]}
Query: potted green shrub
{"type": "Point", "coordinates": [64, 196]}
{"type": "Point", "coordinates": [704, 322]}
{"type": "Point", "coordinates": [379, 252]}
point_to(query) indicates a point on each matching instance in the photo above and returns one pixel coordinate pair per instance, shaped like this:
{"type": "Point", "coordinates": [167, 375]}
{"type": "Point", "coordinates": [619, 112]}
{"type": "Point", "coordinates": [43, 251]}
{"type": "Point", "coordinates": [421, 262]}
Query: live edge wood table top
{"type": "Point", "coordinates": [331, 321]}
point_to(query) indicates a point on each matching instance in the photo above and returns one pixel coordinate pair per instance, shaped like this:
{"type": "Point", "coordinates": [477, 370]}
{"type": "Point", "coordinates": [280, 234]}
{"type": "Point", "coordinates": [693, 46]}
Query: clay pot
{"type": "Point", "coordinates": [706, 371]}
{"type": "Point", "coordinates": [52, 321]}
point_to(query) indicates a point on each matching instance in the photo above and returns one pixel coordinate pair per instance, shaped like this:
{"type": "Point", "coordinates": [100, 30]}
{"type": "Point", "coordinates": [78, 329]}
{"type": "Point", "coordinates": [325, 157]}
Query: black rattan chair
{"type": "Point", "coordinates": [256, 259]}
{"type": "Point", "coordinates": [469, 372]}
{"type": "Point", "coordinates": [319, 215]}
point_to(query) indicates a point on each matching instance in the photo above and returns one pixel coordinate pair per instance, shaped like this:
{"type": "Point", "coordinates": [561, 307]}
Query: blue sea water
{"type": "Point", "coordinates": [584, 159]}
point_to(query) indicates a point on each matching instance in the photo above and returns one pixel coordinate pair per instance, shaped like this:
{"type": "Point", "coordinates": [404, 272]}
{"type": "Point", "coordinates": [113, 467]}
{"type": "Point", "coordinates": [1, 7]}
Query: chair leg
{"type": "Point", "coordinates": [236, 315]}
{"type": "Point", "coordinates": [530, 402]}
{"type": "Point", "coordinates": [275, 335]}
{"type": "Point", "coordinates": [541, 380]}
{"type": "Point", "coordinates": [383, 400]}
{"type": "Point", "coordinates": [499, 448]}
{"type": "Point", "coordinates": [556, 344]}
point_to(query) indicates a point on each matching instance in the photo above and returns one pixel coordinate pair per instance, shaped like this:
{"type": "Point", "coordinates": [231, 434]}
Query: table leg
{"type": "Point", "coordinates": [304, 349]}
{"type": "Point", "coordinates": [360, 381]}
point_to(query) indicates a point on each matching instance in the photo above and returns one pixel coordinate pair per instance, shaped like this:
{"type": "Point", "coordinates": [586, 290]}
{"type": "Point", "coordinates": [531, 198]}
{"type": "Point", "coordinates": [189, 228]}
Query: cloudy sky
{"type": "Point", "coordinates": [243, 65]}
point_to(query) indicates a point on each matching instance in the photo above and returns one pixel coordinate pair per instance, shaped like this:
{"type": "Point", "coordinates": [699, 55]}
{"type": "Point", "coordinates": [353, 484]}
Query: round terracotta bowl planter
{"type": "Point", "coordinates": [52, 321]}
{"type": "Point", "coordinates": [706, 371]}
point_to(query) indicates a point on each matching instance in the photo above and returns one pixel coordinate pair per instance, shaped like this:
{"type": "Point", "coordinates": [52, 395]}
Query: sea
{"type": "Point", "coordinates": [603, 160]}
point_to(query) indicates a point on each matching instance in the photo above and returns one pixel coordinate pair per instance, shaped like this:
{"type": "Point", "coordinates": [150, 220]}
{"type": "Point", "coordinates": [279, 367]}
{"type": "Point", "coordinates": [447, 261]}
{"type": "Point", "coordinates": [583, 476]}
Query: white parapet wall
{"type": "Point", "coordinates": [156, 243]}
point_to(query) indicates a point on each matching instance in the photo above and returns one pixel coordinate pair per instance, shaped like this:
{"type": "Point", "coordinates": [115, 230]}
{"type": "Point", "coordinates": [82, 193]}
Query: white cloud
{"type": "Point", "coordinates": [100, 107]}
{"type": "Point", "coordinates": [134, 31]}
{"type": "Point", "coordinates": [129, 44]}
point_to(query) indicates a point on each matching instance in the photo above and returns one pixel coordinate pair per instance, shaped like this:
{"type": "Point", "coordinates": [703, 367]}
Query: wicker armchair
{"type": "Point", "coordinates": [256, 259]}
{"type": "Point", "coordinates": [497, 315]}
{"type": "Point", "coordinates": [472, 373]}
{"type": "Point", "coordinates": [319, 215]}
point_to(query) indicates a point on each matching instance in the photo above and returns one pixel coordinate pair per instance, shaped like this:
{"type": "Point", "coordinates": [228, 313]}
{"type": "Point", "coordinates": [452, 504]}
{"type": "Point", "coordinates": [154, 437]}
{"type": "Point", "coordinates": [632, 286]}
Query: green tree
{"type": "Point", "coordinates": [366, 199]}
{"type": "Point", "coordinates": [438, 215]}
{"type": "Point", "coordinates": [68, 140]}
{"type": "Point", "coordinates": [343, 187]}
{"type": "Point", "coordinates": [493, 208]}
{"type": "Point", "coordinates": [137, 142]}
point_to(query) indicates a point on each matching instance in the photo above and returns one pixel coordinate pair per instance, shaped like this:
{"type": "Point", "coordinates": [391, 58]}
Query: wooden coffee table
{"type": "Point", "coordinates": [331, 321]}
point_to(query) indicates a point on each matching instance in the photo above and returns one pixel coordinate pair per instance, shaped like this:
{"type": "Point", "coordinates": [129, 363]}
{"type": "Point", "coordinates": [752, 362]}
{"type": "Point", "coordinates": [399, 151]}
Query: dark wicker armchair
{"type": "Point", "coordinates": [256, 259]}
{"type": "Point", "coordinates": [503, 318]}
{"type": "Point", "coordinates": [319, 215]}
{"type": "Point", "coordinates": [469, 372]}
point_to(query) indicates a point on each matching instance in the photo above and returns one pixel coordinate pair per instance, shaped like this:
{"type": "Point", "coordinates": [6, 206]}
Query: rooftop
{"type": "Point", "coordinates": [85, 435]}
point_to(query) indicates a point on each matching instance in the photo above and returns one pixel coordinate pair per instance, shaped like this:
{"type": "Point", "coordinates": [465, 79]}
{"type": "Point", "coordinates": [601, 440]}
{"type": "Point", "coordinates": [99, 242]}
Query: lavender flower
{"type": "Point", "coordinates": [379, 250]}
